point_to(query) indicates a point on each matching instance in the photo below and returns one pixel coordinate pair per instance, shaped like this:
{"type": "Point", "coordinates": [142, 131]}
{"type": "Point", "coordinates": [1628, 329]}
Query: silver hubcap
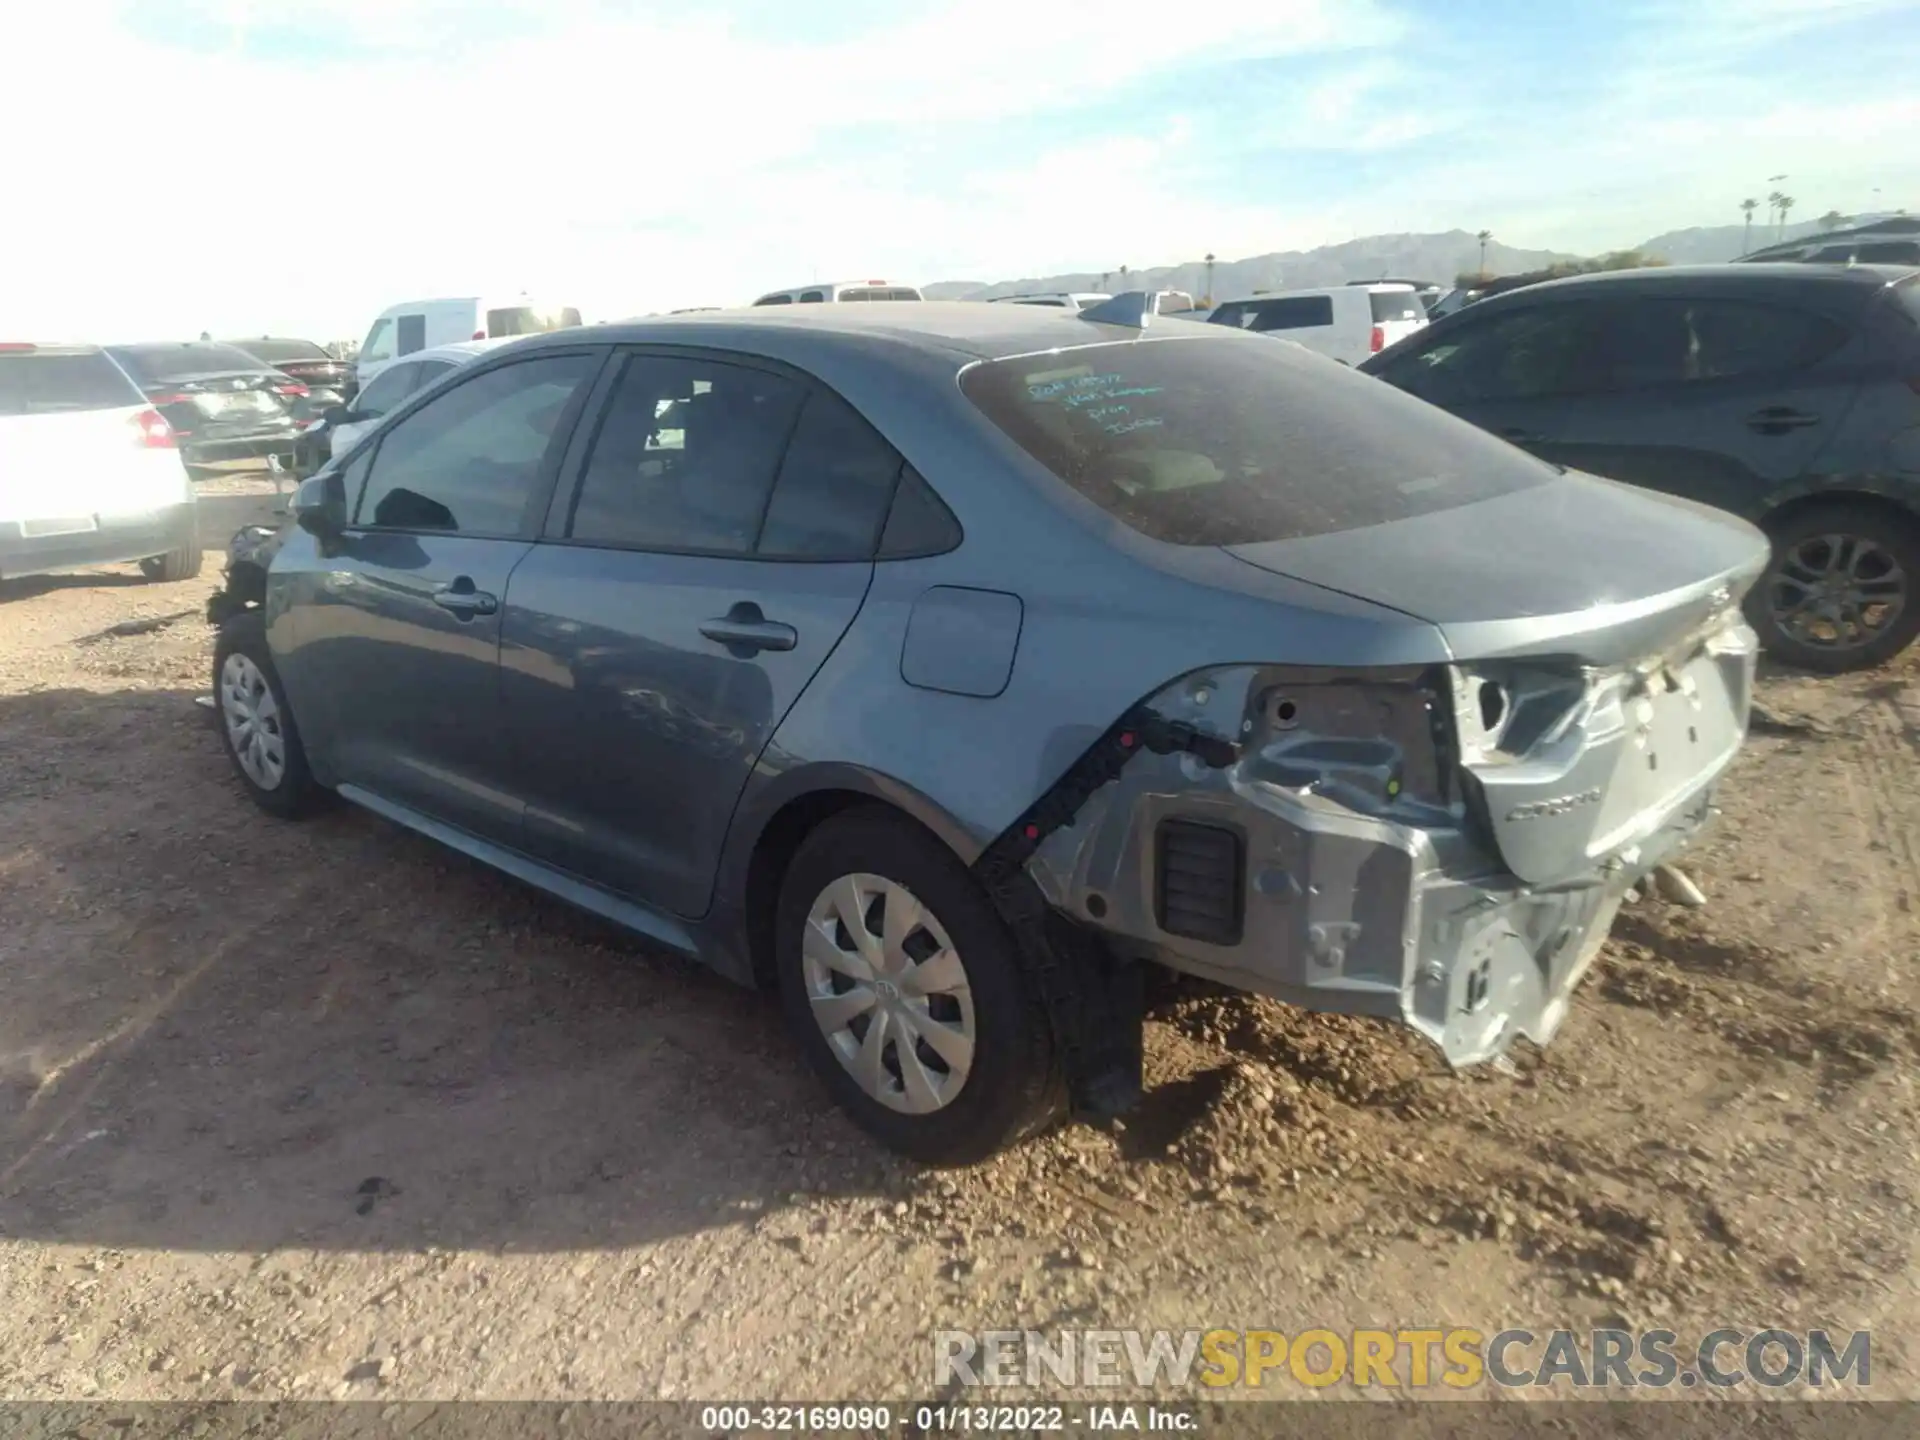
{"type": "Point", "coordinates": [889, 992]}
{"type": "Point", "coordinates": [253, 722]}
{"type": "Point", "coordinates": [1837, 592]}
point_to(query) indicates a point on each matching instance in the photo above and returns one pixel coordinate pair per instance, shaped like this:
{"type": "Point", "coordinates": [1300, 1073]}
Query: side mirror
{"type": "Point", "coordinates": [336, 415]}
{"type": "Point", "coordinates": [320, 507]}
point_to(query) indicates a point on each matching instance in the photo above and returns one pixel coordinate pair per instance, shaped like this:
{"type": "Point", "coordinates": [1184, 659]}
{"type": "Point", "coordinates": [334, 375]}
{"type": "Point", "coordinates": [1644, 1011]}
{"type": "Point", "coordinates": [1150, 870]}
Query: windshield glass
{"type": "Point", "coordinates": [33, 382]}
{"type": "Point", "coordinates": [1396, 305]}
{"type": "Point", "coordinates": [1231, 441]}
{"type": "Point", "coordinates": [171, 362]}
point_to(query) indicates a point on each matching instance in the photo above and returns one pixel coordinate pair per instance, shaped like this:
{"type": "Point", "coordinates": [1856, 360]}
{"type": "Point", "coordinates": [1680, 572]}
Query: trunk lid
{"type": "Point", "coordinates": [1578, 567]}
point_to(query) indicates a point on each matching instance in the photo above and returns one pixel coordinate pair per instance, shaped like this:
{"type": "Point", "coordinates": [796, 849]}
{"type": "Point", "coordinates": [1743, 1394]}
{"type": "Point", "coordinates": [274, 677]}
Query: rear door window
{"type": "Point", "coordinates": [468, 459]}
{"type": "Point", "coordinates": [1296, 312]}
{"type": "Point", "coordinates": [685, 456]}
{"type": "Point", "coordinates": [834, 487]}
{"type": "Point", "coordinates": [1223, 441]}
{"type": "Point", "coordinates": [50, 378]}
{"type": "Point", "coordinates": [1654, 341]}
{"type": "Point", "coordinates": [818, 297]}
{"type": "Point", "coordinates": [386, 390]}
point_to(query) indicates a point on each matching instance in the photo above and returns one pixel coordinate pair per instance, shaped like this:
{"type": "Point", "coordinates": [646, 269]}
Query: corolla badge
{"type": "Point", "coordinates": [1559, 805]}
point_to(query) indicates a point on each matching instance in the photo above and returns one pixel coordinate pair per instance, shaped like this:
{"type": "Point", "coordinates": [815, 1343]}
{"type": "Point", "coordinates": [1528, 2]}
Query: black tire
{"type": "Point", "coordinates": [295, 793]}
{"type": "Point", "coordinates": [1012, 1087]}
{"type": "Point", "coordinates": [181, 564]}
{"type": "Point", "coordinates": [1896, 536]}
{"type": "Point", "coordinates": [201, 472]}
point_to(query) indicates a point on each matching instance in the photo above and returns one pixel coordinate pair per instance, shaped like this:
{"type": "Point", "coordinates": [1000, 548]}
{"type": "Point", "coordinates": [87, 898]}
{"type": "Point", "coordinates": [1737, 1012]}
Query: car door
{"type": "Point", "coordinates": [397, 631]}
{"type": "Point", "coordinates": [1721, 400]}
{"type": "Point", "coordinates": [711, 545]}
{"type": "Point", "coordinates": [1508, 369]}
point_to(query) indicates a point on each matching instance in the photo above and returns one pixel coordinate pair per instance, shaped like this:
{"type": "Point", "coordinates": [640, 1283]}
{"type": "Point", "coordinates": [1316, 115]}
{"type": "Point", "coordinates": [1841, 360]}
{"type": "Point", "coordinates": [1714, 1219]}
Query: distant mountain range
{"type": "Point", "coordinates": [1399, 257]}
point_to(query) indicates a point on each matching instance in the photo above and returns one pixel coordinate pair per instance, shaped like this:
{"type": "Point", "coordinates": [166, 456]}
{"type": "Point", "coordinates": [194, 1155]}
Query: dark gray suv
{"type": "Point", "coordinates": [946, 666]}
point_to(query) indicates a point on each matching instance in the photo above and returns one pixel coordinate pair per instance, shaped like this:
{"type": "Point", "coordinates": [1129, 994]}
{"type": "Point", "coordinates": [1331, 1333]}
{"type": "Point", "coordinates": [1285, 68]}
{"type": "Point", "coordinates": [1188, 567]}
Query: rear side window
{"type": "Point", "coordinates": [774, 300]}
{"type": "Point", "coordinates": [39, 381]}
{"type": "Point", "coordinates": [1889, 252]}
{"type": "Point", "coordinates": [148, 363]}
{"type": "Point", "coordinates": [1512, 354]}
{"type": "Point", "coordinates": [1293, 313]}
{"type": "Point", "coordinates": [1228, 442]}
{"type": "Point", "coordinates": [1658, 341]}
{"type": "Point", "coordinates": [834, 487]}
{"type": "Point", "coordinates": [685, 456]}
{"type": "Point", "coordinates": [1396, 305]}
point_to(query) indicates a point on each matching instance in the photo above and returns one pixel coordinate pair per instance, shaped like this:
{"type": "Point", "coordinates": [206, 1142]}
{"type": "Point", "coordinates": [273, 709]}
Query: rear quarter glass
{"type": "Point", "coordinates": [46, 380]}
{"type": "Point", "coordinates": [1235, 441]}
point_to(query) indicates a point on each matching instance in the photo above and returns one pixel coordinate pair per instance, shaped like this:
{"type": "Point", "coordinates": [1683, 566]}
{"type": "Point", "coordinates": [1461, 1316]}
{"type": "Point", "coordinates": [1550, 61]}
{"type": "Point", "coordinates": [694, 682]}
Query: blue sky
{"type": "Point", "coordinates": [636, 155]}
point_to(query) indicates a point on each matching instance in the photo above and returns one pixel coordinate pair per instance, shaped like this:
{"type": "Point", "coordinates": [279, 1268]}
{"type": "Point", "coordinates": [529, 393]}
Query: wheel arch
{"type": "Point", "coordinates": [771, 826]}
{"type": "Point", "coordinates": [1902, 512]}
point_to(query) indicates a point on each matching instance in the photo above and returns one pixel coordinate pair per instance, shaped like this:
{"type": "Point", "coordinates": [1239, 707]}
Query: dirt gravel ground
{"type": "Point", "coordinates": [322, 1110]}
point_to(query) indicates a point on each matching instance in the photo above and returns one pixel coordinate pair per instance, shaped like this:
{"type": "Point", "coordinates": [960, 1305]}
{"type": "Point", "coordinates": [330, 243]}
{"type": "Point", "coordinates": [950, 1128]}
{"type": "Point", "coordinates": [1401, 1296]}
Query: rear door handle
{"type": "Point", "coordinates": [1779, 419]}
{"type": "Point", "coordinates": [744, 627]}
{"type": "Point", "coordinates": [463, 600]}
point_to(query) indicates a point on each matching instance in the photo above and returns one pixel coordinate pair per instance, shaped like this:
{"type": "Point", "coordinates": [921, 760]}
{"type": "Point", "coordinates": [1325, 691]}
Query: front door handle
{"type": "Point", "coordinates": [1779, 419]}
{"type": "Point", "coordinates": [745, 628]}
{"type": "Point", "coordinates": [462, 600]}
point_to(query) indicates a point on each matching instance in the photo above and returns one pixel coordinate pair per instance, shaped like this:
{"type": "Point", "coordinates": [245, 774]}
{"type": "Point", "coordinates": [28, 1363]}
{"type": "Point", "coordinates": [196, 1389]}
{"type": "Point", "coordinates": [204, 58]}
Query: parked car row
{"type": "Point", "coordinates": [942, 668]}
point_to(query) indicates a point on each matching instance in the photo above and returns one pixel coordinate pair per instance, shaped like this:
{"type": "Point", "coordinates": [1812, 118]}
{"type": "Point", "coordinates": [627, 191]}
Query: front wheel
{"type": "Point", "coordinates": [1840, 593]}
{"type": "Point", "coordinates": [902, 984]}
{"type": "Point", "coordinates": [256, 724]}
{"type": "Point", "coordinates": [181, 564]}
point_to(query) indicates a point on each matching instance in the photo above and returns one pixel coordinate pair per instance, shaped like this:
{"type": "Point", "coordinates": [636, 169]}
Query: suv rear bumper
{"type": "Point", "coordinates": [112, 540]}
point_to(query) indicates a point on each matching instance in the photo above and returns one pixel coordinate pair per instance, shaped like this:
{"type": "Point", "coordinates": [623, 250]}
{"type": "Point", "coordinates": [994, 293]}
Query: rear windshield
{"type": "Point", "coordinates": [1396, 305]}
{"type": "Point", "coordinates": [891, 292]}
{"type": "Point", "coordinates": [1294, 312]}
{"type": "Point", "coordinates": [171, 362]}
{"type": "Point", "coordinates": [525, 320]}
{"type": "Point", "coordinates": [275, 352]}
{"type": "Point", "coordinates": [34, 382]}
{"type": "Point", "coordinates": [1218, 441]}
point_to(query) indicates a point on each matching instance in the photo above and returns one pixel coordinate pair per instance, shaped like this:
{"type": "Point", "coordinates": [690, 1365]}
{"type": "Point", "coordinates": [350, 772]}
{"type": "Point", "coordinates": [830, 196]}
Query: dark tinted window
{"type": "Point", "coordinates": [526, 320]}
{"type": "Point", "coordinates": [1832, 253]}
{"type": "Point", "coordinates": [468, 459]}
{"type": "Point", "coordinates": [1293, 313]}
{"type": "Point", "coordinates": [1654, 341]}
{"type": "Point", "coordinates": [774, 300]}
{"type": "Point", "coordinates": [274, 352]}
{"type": "Point", "coordinates": [1500, 355]}
{"type": "Point", "coordinates": [834, 486]}
{"type": "Point", "coordinates": [1889, 252]}
{"type": "Point", "coordinates": [386, 390]}
{"type": "Point", "coordinates": [685, 456]}
{"type": "Point", "coordinates": [892, 292]}
{"type": "Point", "coordinates": [1225, 441]}
{"type": "Point", "coordinates": [148, 363]}
{"type": "Point", "coordinates": [413, 333]}
{"type": "Point", "coordinates": [919, 523]}
{"type": "Point", "coordinates": [33, 382]}
{"type": "Point", "coordinates": [1396, 305]}
{"type": "Point", "coordinates": [816, 297]}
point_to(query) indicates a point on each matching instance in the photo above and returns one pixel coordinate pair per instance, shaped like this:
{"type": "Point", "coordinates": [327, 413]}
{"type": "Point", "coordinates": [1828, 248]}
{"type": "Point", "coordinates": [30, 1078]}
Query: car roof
{"type": "Point", "coordinates": [1741, 276]}
{"type": "Point", "coordinates": [456, 350]}
{"type": "Point", "coordinates": [963, 327]}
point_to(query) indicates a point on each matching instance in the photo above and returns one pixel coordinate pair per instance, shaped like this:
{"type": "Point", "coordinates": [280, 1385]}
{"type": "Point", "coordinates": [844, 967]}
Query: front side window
{"type": "Point", "coordinates": [1294, 313]}
{"type": "Point", "coordinates": [816, 297]}
{"type": "Point", "coordinates": [468, 460]}
{"type": "Point", "coordinates": [413, 333]}
{"type": "Point", "coordinates": [1657, 341]}
{"type": "Point", "coordinates": [1226, 441]}
{"type": "Point", "coordinates": [685, 456]}
{"type": "Point", "coordinates": [384, 391]}
{"type": "Point", "coordinates": [379, 342]}
{"type": "Point", "coordinates": [1505, 355]}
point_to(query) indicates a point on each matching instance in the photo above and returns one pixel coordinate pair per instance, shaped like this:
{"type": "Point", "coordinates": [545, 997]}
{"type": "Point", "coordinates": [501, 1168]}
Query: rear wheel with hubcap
{"type": "Point", "coordinates": [902, 984]}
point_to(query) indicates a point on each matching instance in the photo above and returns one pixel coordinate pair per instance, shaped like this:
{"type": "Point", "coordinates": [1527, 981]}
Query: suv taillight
{"type": "Point", "coordinates": [1379, 341]}
{"type": "Point", "coordinates": [291, 387]}
{"type": "Point", "coordinates": [479, 334]}
{"type": "Point", "coordinates": [154, 431]}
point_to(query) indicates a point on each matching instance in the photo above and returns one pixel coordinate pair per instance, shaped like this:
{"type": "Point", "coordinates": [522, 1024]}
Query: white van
{"type": "Point", "coordinates": [840, 291]}
{"type": "Point", "coordinates": [428, 324]}
{"type": "Point", "coordinates": [1343, 322]}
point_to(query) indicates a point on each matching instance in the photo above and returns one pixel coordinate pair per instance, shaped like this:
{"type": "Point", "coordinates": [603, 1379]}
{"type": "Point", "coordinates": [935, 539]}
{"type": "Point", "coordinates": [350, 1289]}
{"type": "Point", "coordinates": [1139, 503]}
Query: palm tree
{"type": "Point", "coordinates": [1773, 205]}
{"type": "Point", "coordinates": [1832, 220]}
{"type": "Point", "coordinates": [1483, 237]}
{"type": "Point", "coordinates": [1209, 301]}
{"type": "Point", "coordinates": [1746, 235]}
{"type": "Point", "coordinates": [1786, 204]}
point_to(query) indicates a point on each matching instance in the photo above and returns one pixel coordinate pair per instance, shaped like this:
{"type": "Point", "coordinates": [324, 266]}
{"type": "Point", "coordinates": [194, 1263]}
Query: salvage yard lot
{"type": "Point", "coordinates": [326, 1110]}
